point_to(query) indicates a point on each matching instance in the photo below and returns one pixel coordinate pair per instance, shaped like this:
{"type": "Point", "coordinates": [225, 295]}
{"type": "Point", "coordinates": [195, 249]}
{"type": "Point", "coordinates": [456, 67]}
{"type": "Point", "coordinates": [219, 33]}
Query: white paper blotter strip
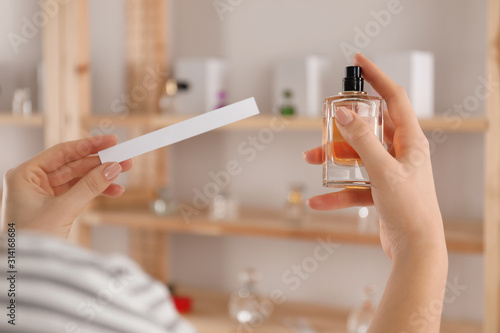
{"type": "Point", "coordinates": [180, 131]}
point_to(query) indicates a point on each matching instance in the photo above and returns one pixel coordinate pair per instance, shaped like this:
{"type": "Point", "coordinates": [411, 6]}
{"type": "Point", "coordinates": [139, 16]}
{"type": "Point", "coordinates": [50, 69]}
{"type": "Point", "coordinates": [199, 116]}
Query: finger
{"type": "Point", "coordinates": [113, 191]}
{"type": "Point", "coordinates": [92, 185]}
{"type": "Point", "coordinates": [78, 169]}
{"type": "Point", "coordinates": [361, 138]}
{"type": "Point", "coordinates": [389, 130]}
{"type": "Point", "coordinates": [314, 156]}
{"type": "Point", "coordinates": [127, 165]}
{"type": "Point", "coordinates": [395, 96]}
{"type": "Point", "coordinates": [63, 153]}
{"type": "Point", "coordinates": [342, 199]}
{"type": "Point", "coordinates": [72, 170]}
{"type": "Point", "coordinates": [61, 189]}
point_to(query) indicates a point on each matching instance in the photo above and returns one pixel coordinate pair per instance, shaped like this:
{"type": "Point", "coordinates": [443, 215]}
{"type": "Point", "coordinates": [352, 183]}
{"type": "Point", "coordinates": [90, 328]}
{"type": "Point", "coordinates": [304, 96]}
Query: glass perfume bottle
{"type": "Point", "coordinates": [287, 108]}
{"type": "Point", "coordinates": [164, 204]}
{"type": "Point", "coordinates": [343, 167]}
{"type": "Point", "coordinates": [359, 320]}
{"type": "Point", "coordinates": [246, 306]}
{"type": "Point", "coordinates": [295, 207]}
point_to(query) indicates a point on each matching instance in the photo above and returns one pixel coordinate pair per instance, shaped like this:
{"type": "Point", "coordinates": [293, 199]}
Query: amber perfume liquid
{"type": "Point", "coordinates": [342, 167]}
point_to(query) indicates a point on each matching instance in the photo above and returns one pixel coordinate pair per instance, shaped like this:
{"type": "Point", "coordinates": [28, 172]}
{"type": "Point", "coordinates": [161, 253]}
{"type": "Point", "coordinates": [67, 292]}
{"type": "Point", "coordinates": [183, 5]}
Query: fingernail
{"type": "Point", "coordinates": [344, 116]}
{"type": "Point", "coordinates": [355, 62]}
{"type": "Point", "coordinates": [112, 170]}
{"type": "Point", "coordinates": [304, 154]}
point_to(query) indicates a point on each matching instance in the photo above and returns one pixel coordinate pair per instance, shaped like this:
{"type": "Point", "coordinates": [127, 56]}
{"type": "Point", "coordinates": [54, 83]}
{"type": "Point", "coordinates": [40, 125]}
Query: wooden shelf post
{"type": "Point", "coordinates": [67, 79]}
{"type": "Point", "coordinates": [492, 178]}
{"type": "Point", "coordinates": [146, 61]}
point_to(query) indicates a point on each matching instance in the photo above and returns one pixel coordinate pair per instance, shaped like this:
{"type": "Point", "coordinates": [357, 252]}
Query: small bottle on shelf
{"type": "Point", "coordinates": [287, 108]}
{"type": "Point", "coordinates": [222, 97]}
{"type": "Point", "coordinates": [295, 207]}
{"type": "Point", "coordinates": [246, 306]}
{"type": "Point", "coordinates": [359, 320]}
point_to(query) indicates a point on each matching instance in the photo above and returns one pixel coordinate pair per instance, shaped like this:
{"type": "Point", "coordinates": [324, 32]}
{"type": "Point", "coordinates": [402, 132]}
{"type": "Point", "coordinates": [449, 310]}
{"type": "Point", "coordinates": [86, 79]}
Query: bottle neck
{"type": "Point", "coordinates": [353, 93]}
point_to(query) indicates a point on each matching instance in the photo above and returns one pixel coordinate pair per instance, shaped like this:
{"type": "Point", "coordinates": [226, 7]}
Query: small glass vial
{"type": "Point", "coordinates": [343, 167]}
{"type": "Point", "coordinates": [164, 204]}
{"type": "Point", "coordinates": [246, 306]}
{"type": "Point", "coordinates": [287, 108]}
{"type": "Point", "coordinates": [224, 207]}
{"type": "Point", "coordinates": [295, 207]}
{"type": "Point", "coordinates": [359, 320]}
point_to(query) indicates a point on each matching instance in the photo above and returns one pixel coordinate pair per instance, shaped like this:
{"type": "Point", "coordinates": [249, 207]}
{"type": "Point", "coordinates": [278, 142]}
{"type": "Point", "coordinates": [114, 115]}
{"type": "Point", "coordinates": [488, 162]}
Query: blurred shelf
{"type": "Point", "coordinates": [7, 118]}
{"type": "Point", "coordinates": [291, 124]}
{"type": "Point", "coordinates": [210, 315]}
{"type": "Point", "coordinates": [461, 236]}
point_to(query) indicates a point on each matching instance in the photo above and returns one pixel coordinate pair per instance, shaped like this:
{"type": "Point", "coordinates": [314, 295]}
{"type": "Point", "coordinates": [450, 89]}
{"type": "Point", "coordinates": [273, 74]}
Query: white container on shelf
{"type": "Point", "coordinates": [206, 78]}
{"type": "Point", "coordinates": [414, 70]}
{"type": "Point", "coordinates": [305, 78]}
{"type": "Point", "coordinates": [8, 85]}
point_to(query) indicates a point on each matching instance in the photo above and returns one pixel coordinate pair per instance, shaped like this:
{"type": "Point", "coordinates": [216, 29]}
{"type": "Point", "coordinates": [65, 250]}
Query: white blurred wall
{"type": "Point", "coordinates": [17, 143]}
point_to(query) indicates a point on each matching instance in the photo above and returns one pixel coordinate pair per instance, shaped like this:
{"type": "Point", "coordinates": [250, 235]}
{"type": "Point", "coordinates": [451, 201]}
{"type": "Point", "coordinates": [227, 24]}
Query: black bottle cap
{"type": "Point", "coordinates": [353, 80]}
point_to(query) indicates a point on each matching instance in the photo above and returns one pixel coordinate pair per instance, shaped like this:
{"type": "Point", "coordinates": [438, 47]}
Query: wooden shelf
{"type": "Point", "coordinates": [35, 120]}
{"type": "Point", "coordinates": [210, 315]}
{"type": "Point", "coordinates": [461, 236]}
{"type": "Point", "coordinates": [292, 124]}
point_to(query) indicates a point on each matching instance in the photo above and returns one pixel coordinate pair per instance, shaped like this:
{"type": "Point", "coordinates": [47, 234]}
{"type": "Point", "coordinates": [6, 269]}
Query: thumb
{"type": "Point", "coordinates": [360, 136]}
{"type": "Point", "coordinates": [93, 184]}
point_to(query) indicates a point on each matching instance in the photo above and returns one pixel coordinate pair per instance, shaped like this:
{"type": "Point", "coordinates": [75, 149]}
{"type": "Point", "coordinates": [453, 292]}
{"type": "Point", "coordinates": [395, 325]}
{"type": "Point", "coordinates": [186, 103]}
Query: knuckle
{"type": "Point", "coordinates": [9, 176]}
{"type": "Point", "coordinates": [360, 134]}
{"type": "Point", "coordinates": [9, 173]}
{"type": "Point", "coordinates": [422, 143]}
{"type": "Point", "coordinates": [400, 90]}
{"type": "Point", "coordinates": [92, 185]}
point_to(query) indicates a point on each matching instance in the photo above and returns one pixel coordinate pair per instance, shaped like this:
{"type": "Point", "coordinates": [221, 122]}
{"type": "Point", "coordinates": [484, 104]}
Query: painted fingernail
{"type": "Point", "coordinates": [344, 116]}
{"type": "Point", "coordinates": [112, 170]}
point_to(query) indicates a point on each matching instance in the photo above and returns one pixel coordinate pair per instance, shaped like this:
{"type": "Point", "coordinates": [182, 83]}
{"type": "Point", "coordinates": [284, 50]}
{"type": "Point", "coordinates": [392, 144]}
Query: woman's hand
{"type": "Point", "coordinates": [402, 189]}
{"type": "Point", "coordinates": [402, 184]}
{"type": "Point", "coordinates": [47, 192]}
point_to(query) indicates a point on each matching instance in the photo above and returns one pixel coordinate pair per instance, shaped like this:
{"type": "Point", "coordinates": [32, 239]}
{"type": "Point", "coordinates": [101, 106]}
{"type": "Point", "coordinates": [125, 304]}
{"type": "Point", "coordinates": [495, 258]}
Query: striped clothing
{"type": "Point", "coordinates": [62, 288]}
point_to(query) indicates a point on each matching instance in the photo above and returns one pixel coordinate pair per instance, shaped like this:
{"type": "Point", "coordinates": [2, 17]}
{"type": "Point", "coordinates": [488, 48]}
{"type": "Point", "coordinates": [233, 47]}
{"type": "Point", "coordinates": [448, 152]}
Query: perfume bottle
{"type": "Point", "coordinates": [343, 167]}
{"type": "Point", "coordinates": [246, 306]}
{"type": "Point", "coordinates": [287, 108]}
{"type": "Point", "coordinates": [359, 320]}
{"type": "Point", "coordinates": [222, 97]}
{"type": "Point", "coordinates": [164, 204]}
{"type": "Point", "coordinates": [295, 207]}
{"type": "Point", "coordinates": [224, 207]}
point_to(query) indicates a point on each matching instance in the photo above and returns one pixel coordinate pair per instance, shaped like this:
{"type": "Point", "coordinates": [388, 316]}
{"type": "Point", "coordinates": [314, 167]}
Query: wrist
{"type": "Point", "coordinates": [427, 252]}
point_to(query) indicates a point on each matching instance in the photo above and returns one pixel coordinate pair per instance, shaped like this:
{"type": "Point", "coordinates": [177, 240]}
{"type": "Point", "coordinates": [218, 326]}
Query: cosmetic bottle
{"type": "Point", "coordinates": [295, 207]}
{"type": "Point", "coordinates": [342, 166]}
{"type": "Point", "coordinates": [246, 306]}
{"type": "Point", "coordinates": [359, 320]}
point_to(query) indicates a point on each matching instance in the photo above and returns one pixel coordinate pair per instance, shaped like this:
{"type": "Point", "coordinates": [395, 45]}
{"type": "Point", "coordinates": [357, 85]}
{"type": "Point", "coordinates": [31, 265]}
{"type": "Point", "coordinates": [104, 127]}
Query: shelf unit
{"type": "Point", "coordinates": [210, 315]}
{"type": "Point", "coordinates": [461, 236]}
{"type": "Point", "coordinates": [67, 97]}
{"type": "Point", "coordinates": [8, 119]}
{"type": "Point", "coordinates": [291, 123]}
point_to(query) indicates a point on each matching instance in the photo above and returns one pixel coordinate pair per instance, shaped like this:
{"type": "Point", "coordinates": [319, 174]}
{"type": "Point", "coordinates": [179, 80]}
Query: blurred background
{"type": "Point", "coordinates": [289, 55]}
